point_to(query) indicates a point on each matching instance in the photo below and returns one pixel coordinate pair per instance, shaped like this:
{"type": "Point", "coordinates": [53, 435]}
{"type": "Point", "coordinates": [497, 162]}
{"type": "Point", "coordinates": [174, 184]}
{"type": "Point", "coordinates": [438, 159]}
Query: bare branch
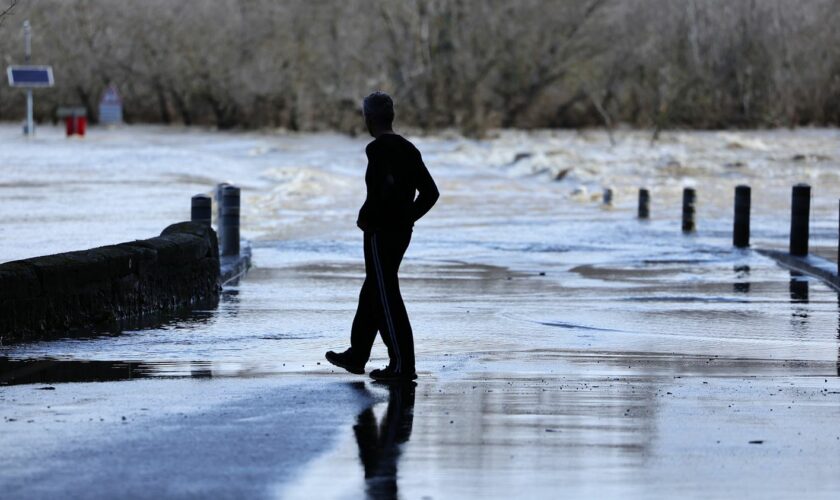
{"type": "Point", "coordinates": [7, 11]}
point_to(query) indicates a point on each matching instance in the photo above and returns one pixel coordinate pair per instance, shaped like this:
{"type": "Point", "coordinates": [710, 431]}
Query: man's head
{"type": "Point", "coordinates": [379, 113]}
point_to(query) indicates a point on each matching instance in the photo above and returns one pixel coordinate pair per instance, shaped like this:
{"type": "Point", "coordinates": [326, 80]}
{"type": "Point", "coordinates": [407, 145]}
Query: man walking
{"type": "Point", "coordinates": [395, 173]}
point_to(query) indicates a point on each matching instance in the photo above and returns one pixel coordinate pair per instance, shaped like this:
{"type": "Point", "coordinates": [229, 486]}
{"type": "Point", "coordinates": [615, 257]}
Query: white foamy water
{"type": "Point", "coordinates": [126, 183]}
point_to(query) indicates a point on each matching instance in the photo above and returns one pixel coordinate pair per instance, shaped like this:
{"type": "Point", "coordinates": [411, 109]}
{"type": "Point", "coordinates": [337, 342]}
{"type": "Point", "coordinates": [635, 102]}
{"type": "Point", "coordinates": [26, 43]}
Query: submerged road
{"type": "Point", "coordinates": [564, 349]}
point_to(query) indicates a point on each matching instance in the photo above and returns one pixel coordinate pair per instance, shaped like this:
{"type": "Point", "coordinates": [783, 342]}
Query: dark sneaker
{"type": "Point", "coordinates": [388, 374]}
{"type": "Point", "coordinates": [347, 361]}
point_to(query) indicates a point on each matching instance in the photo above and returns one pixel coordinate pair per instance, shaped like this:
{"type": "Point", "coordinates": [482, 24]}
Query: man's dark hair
{"type": "Point", "coordinates": [379, 107]}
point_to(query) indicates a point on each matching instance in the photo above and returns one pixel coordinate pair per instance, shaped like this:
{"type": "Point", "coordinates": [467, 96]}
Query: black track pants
{"type": "Point", "coordinates": [381, 306]}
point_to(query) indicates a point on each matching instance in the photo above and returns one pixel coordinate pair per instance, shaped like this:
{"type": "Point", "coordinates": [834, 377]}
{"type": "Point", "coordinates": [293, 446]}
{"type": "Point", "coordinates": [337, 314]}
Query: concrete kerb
{"type": "Point", "coordinates": [809, 265]}
{"type": "Point", "coordinates": [235, 267]}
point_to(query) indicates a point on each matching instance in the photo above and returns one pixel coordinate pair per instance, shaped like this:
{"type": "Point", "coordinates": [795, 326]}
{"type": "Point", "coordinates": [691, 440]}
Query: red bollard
{"type": "Point", "coordinates": [69, 125]}
{"type": "Point", "coordinates": [81, 125]}
{"type": "Point", "coordinates": [75, 120]}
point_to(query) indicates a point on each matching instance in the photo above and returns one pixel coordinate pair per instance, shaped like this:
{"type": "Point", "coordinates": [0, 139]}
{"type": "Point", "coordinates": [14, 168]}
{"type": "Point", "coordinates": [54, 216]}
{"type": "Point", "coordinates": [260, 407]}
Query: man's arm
{"type": "Point", "coordinates": [428, 193]}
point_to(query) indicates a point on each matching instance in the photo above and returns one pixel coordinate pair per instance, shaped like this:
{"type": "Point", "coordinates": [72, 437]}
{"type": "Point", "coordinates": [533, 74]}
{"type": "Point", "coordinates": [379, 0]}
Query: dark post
{"type": "Point", "coordinates": [741, 227]}
{"type": "Point", "coordinates": [230, 220]}
{"type": "Point", "coordinates": [201, 209]}
{"type": "Point", "coordinates": [608, 196]}
{"type": "Point", "coordinates": [689, 202]}
{"type": "Point", "coordinates": [800, 209]}
{"type": "Point", "coordinates": [219, 188]}
{"type": "Point", "coordinates": [644, 203]}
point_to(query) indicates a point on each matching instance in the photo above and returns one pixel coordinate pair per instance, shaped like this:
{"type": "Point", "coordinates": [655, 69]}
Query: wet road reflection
{"type": "Point", "coordinates": [742, 274]}
{"type": "Point", "coordinates": [799, 300]}
{"type": "Point", "coordinates": [798, 288]}
{"type": "Point", "coordinates": [51, 371]}
{"type": "Point", "coordinates": [230, 300]}
{"type": "Point", "coordinates": [380, 442]}
{"type": "Point", "coordinates": [57, 371]}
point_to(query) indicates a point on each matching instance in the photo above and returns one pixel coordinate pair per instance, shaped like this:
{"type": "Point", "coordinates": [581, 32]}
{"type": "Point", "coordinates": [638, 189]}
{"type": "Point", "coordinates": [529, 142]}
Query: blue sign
{"type": "Point", "coordinates": [30, 76]}
{"type": "Point", "coordinates": [110, 107]}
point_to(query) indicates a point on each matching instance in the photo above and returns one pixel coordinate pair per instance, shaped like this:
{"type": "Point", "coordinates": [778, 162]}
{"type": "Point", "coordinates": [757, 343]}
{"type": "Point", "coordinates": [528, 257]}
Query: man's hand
{"type": "Point", "coordinates": [361, 224]}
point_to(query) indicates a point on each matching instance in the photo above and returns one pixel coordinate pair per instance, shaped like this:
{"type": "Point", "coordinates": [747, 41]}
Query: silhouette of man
{"type": "Point", "coordinates": [380, 443]}
{"type": "Point", "coordinates": [395, 173]}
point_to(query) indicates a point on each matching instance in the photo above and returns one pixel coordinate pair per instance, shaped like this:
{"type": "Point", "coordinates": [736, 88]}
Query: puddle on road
{"type": "Point", "coordinates": [56, 371]}
{"type": "Point", "coordinates": [47, 370]}
{"type": "Point", "coordinates": [488, 435]}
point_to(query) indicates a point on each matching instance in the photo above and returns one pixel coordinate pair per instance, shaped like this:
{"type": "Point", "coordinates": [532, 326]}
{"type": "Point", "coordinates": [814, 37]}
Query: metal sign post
{"type": "Point", "coordinates": [27, 42]}
{"type": "Point", "coordinates": [29, 77]}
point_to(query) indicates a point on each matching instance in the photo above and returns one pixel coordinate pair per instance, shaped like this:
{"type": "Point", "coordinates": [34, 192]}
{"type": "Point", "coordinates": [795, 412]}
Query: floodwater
{"type": "Point", "coordinates": [564, 347]}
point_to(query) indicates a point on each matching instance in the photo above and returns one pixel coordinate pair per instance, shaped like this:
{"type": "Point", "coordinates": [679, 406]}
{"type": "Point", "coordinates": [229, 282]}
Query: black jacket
{"type": "Point", "coordinates": [395, 172]}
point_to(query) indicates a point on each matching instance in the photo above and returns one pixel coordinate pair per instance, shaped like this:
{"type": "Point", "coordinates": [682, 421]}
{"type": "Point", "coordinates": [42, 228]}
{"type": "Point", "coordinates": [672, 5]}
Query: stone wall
{"type": "Point", "coordinates": [77, 293]}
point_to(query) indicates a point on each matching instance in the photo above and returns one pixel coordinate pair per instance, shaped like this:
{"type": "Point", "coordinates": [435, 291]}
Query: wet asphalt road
{"type": "Point", "coordinates": [202, 439]}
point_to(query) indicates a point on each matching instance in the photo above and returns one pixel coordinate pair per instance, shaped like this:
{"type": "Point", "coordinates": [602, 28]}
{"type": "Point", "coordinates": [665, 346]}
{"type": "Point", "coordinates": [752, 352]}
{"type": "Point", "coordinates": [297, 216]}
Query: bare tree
{"type": "Point", "coordinates": [469, 64]}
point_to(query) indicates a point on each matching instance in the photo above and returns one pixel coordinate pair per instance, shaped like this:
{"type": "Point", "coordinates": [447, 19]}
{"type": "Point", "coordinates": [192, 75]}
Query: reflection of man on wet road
{"type": "Point", "coordinates": [379, 445]}
{"type": "Point", "coordinates": [395, 172]}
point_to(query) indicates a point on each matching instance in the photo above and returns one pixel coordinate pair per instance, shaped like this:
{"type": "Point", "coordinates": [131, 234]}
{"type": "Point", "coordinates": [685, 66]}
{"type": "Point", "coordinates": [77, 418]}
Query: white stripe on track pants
{"type": "Point", "coordinates": [381, 308]}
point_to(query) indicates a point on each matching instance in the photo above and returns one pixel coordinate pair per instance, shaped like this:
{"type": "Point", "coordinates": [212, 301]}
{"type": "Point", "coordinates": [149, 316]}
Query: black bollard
{"type": "Point", "coordinates": [688, 211]}
{"type": "Point", "coordinates": [201, 210]}
{"type": "Point", "coordinates": [800, 209]}
{"type": "Point", "coordinates": [644, 203]}
{"type": "Point", "coordinates": [219, 188]}
{"type": "Point", "coordinates": [230, 220]}
{"type": "Point", "coordinates": [608, 196]}
{"type": "Point", "coordinates": [741, 226]}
